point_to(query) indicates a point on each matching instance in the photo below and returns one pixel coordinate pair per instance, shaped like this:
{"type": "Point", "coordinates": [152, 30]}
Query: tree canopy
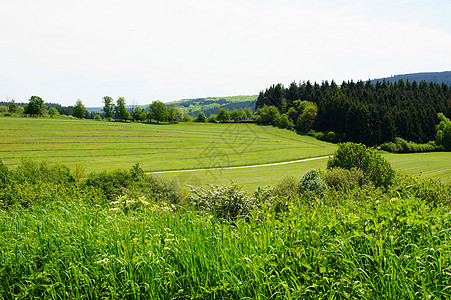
{"type": "Point", "coordinates": [158, 111]}
{"type": "Point", "coordinates": [35, 106]}
{"type": "Point", "coordinates": [120, 111]}
{"type": "Point", "coordinates": [79, 109]}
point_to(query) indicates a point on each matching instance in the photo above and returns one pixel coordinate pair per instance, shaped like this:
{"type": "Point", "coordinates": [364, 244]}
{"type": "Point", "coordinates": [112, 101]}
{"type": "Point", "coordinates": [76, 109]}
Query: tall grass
{"type": "Point", "coordinates": [398, 249]}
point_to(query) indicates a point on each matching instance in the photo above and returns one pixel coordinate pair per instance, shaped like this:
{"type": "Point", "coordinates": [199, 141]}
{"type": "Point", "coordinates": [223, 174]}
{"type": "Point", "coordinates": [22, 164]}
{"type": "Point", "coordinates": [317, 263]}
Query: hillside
{"type": "Point", "coordinates": [212, 105]}
{"type": "Point", "coordinates": [439, 77]}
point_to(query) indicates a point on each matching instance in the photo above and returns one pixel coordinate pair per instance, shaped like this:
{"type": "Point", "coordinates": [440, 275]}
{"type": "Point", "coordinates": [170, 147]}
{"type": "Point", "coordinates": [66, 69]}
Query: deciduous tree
{"type": "Point", "coordinates": [35, 106]}
{"type": "Point", "coordinates": [79, 109]}
{"type": "Point", "coordinates": [159, 111]}
{"type": "Point", "coordinates": [120, 111]}
{"type": "Point", "coordinates": [108, 107]}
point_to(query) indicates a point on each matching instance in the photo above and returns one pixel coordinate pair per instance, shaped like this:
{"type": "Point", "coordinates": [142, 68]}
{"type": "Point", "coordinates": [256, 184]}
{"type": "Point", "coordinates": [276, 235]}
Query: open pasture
{"type": "Point", "coordinates": [99, 145]}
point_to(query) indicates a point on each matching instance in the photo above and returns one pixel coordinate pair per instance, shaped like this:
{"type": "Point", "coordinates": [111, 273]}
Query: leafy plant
{"type": "Point", "coordinates": [374, 166]}
{"type": "Point", "coordinates": [312, 181]}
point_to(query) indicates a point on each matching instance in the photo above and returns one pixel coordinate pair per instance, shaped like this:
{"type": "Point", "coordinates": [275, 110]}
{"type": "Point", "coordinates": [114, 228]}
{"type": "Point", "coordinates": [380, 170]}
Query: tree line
{"type": "Point", "coordinates": [360, 111]}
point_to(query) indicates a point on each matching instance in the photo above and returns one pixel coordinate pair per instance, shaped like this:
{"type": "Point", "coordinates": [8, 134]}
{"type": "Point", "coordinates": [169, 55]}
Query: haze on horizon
{"type": "Point", "coordinates": [170, 50]}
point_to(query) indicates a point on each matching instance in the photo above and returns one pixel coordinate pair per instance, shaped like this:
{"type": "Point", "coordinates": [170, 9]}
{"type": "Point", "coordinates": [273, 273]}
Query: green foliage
{"type": "Point", "coordinates": [307, 119]}
{"type": "Point", "coordinates": [53, 112]}
{"type": "Point", "coordinates": [268, 115]}
{"type": "Point", "coordinates": [285, 122]}
{"type": "Point", "coordinates": [402, 146]}
{"type": "Point", "coordinates": [14, 108]}
{"type": "Point", "coordinates": [134, 184]}
{"type": "Point", "coordinates": [4, 175]}
{"type": "Point", "coordinates": [345, 180]}
{"type": "Point", "coordinates": [312, 181]}
{"type": "Point", "coordinates": [158, 111]}
{"type": "Point", "coordinates": [35, 106]}
{"type": "Point", "coordinates": [97, 117]}
{"type": "Point", "coordinates": [443, 135]}
{"type": "Point", "coordinates": [212, 118]}
{"type": "Point", "coordinates": [223, 115]}
{"type": "Point", "coordinates": [187, 118]}
{"type": "Point", "coordinates": [120, 111]}
{"type": "Point", "coordinates": [201, 118]}
{"type": "Point", "coordinates": [34, 172]}
{"type": "Point", "coordinates": [313, 251]}
{"type": "Point", "coordinates": [211, 106]}
{"type": "Point", "coordinates": [374, 166]}
{"type": "Point", "coordinates": [238, 115]}
{"type": "Point", "coordinates": [363, 112]}
{"type": "Point", "coordinates": [222, 201]}
{"type": "Point", "coordinates": [79, 109]}
{"type": "Point", "coordinates": [108, 107]}
{"type": "Point", "coordinates": [174, 114]}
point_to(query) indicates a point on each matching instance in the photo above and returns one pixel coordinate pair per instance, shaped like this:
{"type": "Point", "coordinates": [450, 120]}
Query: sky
{"type": "Point", "coordinates": [169, 50]}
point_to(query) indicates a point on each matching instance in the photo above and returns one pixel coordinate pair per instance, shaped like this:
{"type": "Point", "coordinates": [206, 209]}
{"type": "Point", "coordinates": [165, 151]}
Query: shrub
{"type": "Point", "coordinates": [345, 180]}
{"type": "Point", "coordinates": [222, 201]}
{"type": "Point", "coordinates": [32, 171]}
{"type": "Point", "coordinates": [134, 184]}
{"type": "Point", "coordinates": [374, 166]}
{"type": "Point", "coordinates": [312, 181]}
{"type": "Point", "coordinates": [4, 175]}
{"type": "Point", "coordinates": [402, 146]}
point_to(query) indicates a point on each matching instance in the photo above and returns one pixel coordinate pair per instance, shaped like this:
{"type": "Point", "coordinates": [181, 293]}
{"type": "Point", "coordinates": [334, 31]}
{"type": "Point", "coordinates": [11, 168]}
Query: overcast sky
{"type": "Point", "coordinates": [176, 49]}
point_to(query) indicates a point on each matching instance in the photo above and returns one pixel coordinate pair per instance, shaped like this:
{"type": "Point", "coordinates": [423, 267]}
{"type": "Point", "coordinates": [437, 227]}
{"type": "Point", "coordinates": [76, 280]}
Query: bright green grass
{"type": "Point", "coordinates": [249, 179]}
{"type": "Point", "coordinates": [109, 145]}
{"type": "Point", "coordinates": [435, 165]}
{"type": "Point", "coordinates": [374, 250]}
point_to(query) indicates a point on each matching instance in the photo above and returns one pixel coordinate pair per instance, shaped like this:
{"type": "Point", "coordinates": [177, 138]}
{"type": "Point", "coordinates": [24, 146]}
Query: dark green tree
{"type": "Point", "coordinates": [79, 109]}
{"type": "Point", "coordinates": [223, 115]}
{"type": "Point", "coordinates": [120, 111]}
{"type": "Point", "coordinates": [35, 106]}
{"type": "Point", "coordinates": [158, 111]}
{"type": "Point", "coordinates": [108, 107]}
{"type": "Point", "coordinates": [201, 118]}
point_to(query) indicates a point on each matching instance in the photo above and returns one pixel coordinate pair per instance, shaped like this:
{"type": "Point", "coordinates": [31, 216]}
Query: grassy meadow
{"type": "Point", "coordinates": [109, 145]}
{"type": "Point", "coordinates": [99, 145]}
{"type": "Point", "coordinates": [120, 234]}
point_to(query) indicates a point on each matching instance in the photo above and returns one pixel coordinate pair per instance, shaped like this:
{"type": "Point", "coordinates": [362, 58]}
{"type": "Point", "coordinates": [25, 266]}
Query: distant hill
{"type": "Point", "coordinates": [439, 77]}
{"type": "Point", "coordinates": [212, 105]}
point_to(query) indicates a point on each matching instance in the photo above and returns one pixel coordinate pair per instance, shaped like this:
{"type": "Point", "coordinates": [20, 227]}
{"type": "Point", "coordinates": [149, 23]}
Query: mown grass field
{"type": "Point", "coordinates": [435, 165]}
{"type": "Point", "coordinates": [100, 145]}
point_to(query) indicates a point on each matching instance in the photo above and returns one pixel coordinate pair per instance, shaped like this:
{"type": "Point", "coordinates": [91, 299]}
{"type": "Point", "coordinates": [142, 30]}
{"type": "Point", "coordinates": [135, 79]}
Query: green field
{"type": "Point", "coordinates": [428, 165]}
{"type": "Point", "coordinates": [100, 145]}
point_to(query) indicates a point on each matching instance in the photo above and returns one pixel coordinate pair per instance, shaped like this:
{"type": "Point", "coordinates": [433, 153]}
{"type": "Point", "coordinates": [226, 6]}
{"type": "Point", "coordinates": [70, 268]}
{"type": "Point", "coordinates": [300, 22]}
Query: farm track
{"type": "Point", "coordinates": [241, 167]}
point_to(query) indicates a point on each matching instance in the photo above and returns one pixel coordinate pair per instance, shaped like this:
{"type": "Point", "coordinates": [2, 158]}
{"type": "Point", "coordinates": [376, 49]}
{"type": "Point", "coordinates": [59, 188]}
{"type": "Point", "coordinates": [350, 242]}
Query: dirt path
{"type": "Point", "coordinates": [241, 167]}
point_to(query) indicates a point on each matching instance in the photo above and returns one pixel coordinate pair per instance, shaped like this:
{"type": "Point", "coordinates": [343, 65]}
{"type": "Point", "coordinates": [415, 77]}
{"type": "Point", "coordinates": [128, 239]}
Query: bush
{"type": "Point", "coordinates": [402, 146]}
{"type": "Point", "coordinates": [311, 181]}
{"type": "Point", "coordinates": [135, 184]}
{"type": "Point", "coordinates": [222, 201]}
{"type": "Point", "coordinates": [345, 180]}
{"type": "Point", "coordinates": [373, 165]}
{"type": "Point", "coordinates": [34, 172]}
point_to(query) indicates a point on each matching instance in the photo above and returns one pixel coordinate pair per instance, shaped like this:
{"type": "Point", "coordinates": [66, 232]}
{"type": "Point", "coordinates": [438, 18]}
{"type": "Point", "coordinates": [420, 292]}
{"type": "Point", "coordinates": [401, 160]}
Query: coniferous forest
{"type": "Point", "coordinates": [365, 112]}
